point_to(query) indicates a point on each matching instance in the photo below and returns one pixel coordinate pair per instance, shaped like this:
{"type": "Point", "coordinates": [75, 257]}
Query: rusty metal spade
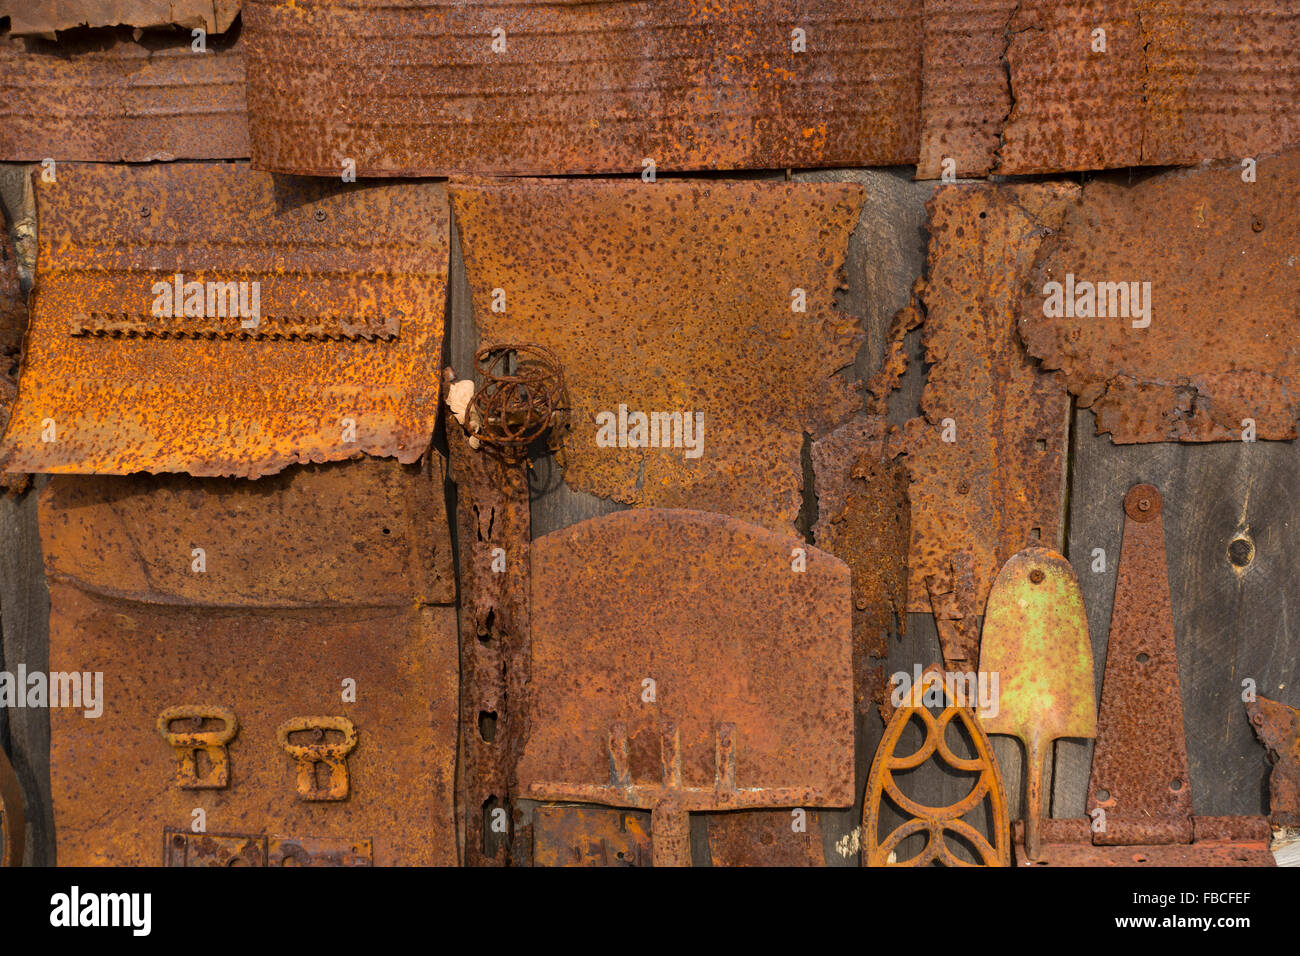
{"type": "Point", "coordinates": [1036, 640]}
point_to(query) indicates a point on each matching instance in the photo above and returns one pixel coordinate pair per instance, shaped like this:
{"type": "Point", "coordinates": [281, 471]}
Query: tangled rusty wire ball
{"type": "Point", "coordinates": [521, 399]}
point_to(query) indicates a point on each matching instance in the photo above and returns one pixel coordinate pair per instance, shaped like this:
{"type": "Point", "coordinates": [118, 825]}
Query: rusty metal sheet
{"type": "Point", "coordinates": [109, 98]}
{"type": "Point", "coordinates": [675, 297]}
{"type": "Point", "coordinates": [1277, 726]}
{"type": "Point", "coordinates": [386, 670]}
{"type": "Point", "coordinates": [863, 519]}
{"type": "Point", "coordinates": [763, 838]}
{"type": "Point", "coordinates": [13, 816]}
{"type": "Point", "coordinates": [965, 96]}
{"type": "Point", "coordinates": [1212, 260]}
{"type": "Point", "coordinates": [45, 17]}
{"type": "Point", "coordinates": [1220, 841]}
{"type": "Point", "coordinates": [184, 848]}
{"type": "Point", "coordinates": [345, 359]}
{"type": "Point", "coordinates": [987, 799]}
{"type": "Point", "coordinates": [987, 456]}
{"type": "Point", "coordinates": [642, 696]}
{"type": "Point", "coordinates": [539, 89]}
{"type": "Point", "coordinates": [590, 836]}
{"type": "Point", "coordinates": [136, 539]}
{"type": "Point", "coordinates": [1139, 766]}
{"type": "Point", "coordinates": [1179, 82]}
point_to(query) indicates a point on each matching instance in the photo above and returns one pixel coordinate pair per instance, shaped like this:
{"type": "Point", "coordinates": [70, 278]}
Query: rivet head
{"type": "Point", "coordinates": [1037, 575]}
{"type": "Point", "coordinates": [1257, 224]}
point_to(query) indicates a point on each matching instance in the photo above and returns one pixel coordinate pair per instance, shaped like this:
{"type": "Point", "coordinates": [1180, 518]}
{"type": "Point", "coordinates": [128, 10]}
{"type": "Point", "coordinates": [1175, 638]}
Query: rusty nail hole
{"type": "Point", "coordinates": [1036, 533]}
{"type": "Point", "coordinates": [178, 840]}
{"type": "Point", "coordinates": [984, 215]}
{"type": "Point", "coordinates": [1037, 575]}
{"type": "Point", "coordinates": [1143, 658]}
{"type": "Point", "coordinates": [1139, 857]}
{"type": "Point", "coordinates": [1241, 551]}
{"type": "Point", "coordinates": [1257, 224]}
{"type": "Point", "coordinates": [963, 487]}
{"type": "Point", "coordinates": [1040, 444]}
{"type": "Point", "coordinates": [386, 531]}
{"type": "Point", "coordinates": [1103, 796]}
{"type": "Point", "coordinates": [1175, 785]}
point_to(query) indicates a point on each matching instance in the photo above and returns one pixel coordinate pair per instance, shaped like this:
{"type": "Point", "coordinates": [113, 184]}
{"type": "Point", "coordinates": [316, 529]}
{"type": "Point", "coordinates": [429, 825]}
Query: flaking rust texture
{"type": "Point", "coordinates": [1178, 82]}
{"type": "Point", "coordinates": [642, 696]}
{"type": "Point", "coordinates": [114, 99]}
{"type": "Point", "coordinates": [863, 519]}
{"type": "Point", "coordinates": [675, 297]}
{"type": "Point", "coordinates": [535, 89]}
{"type": "Point", "coordinates": [13, 323]}
{"type": "Point", "coordinates": [987, 457]}
{"type": "Point", "coordinates": [313, 381]}
{"type": "Point", "coordinates": [1277, 726]}
{"type": "Point", "coordinates": [251, 653]}
{"type": "Point", "coordinates": [764, 839]}
{"type": "Point", "coordinates": [45, 17]}
{"type": "Point", "coordinates": [1223, 340]}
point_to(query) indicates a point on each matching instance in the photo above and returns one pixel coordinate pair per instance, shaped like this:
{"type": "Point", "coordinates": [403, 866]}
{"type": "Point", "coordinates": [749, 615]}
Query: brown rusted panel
{"type": "Point", "coordinates": [136, 539]}
{"type": "Point", "coordinates": [642, 696]}
{"type": "Point", "coordinates": [1180, 81]}
{"type": "Point", "coordinates": [676, 297]}
{"type": "Point", "coordinates": [1220, 841]}
{"type": "Point", "coordinates": [863, 519]}
{"type": "Point", "coordinates": [109, 98]}
{"type": "Point", "coordinates": [241, 401]}
{"type": "Point", "coordinates": [998, 485]}
{"type": "Point", "coordinates": [1278, 728]}
{"type": "Point", "coordinates": [965, 95]}
{"type": "Point", "coordinates": [764, 839]}
{"type": "Point", "coordinates": [263, 667]}
{"type": "Point", "coordinates": [13, 323]}
{"type": "Point", "coordinates": [590, 836]}
{"type": "Point", "coordinates": [1222, 341]}
{"type": "Point", "coordinates": [580, 88]}
{"type": "Point", "coordinates": [1139, 765]}
{"type": "Point", "coordinates": [13, 815]}
{"type": "Point", "coordinates": [48, 16]}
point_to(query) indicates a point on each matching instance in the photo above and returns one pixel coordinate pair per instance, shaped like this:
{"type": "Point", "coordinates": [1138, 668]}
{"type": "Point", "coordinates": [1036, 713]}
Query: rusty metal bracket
{"type": "Point", "coordinates": [935, 821]}
{"type": "Point", "coordinates": [332, 754]}
{"type": "Point", "coordinates": [190, 743]}
{"type": "Point", "coordinates": [13, 819]}
{"type": "Point", "coordinates": [1277, 726]}
{"type": "Point", "coordinates": [590, 836]}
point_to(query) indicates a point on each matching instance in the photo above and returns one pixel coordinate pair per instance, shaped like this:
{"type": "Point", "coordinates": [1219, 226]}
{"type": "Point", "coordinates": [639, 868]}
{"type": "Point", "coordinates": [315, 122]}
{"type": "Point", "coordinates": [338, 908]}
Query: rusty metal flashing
{"type": "Point", "coordinates": [229, 406]}
{"type": "Point", "coordinates": [1277, 726]}
{"type": "Point", "coordinates": [986, 794]}
{"type": "Point", "coordinates": [109, 98]}
{"type": "Point", "coordinates": [642, 697]}
{"type": "Point", "coordinates": [987, 457]}
{"type": "Point", "coordinates": [46, 17]}
{"type": "Point", "coordinates": [676, 297]}
{"type": "Point", "coordinates": [494, 551]}
{"type": "Point", "coordinates": [1222, 341]}
{"type": "Point", "coordinates": [537, 89]}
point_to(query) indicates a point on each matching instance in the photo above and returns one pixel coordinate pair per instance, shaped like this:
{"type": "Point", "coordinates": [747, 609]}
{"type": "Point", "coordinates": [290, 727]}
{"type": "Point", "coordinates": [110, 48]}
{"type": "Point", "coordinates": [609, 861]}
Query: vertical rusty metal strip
{"type": "Point", "coordinates": [493, 513]}
{"type": "Point", "coordinates": [1278, 728]}
{"type": "Point", "coordinates": [1139, 767]}
{"type": "Point", "coordinates": [13, 820]}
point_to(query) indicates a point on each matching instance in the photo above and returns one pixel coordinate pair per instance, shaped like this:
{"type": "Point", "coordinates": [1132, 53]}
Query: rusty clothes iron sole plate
{"type": "Point", "coordinates": [645, 695]}
{"type": "Point", "coordinates": [283, 328]}
{"type": "Point", "coordinates": [538, 89]}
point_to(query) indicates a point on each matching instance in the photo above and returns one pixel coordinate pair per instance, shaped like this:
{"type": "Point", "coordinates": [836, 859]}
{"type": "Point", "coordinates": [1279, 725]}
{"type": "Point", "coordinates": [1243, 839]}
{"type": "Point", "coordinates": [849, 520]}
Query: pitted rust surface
{"type": "Point", "coordinates": [764, 838]}
{"type": "Point", "coordinates": [752, 693]}
{"type": "Point", "coordinates": [1222, 343]}
{"type": "Point", "coordinates": [241, 404]}
{"type": "Point", "coordinates": [999, 486]}
{"type": "Point", "coordinates": [494, 549]}
{"type": "Point", "coordinates": [1036, 640]}
{"type": "Point", "coordinates": [965, 97]}
{"type": "Point", "coordinates": [265, 665]}
{"type": "Point", "coordinates": [135, 539]}
{"type": "Point", "coordinates": [985, 796]}
{"type": "Point", "coordinates": [13, 819]}
{"type": "Point", "coordinates": [1220, 841]}
{"type": "Point", "coordinates": [863, 519]}
{"type": "Point", "coordinates": [1139, 766]}
{"type": "Point", "coordinates": [676, 297]}
{"type": "Point", "coordinates": [109, 98]}
{"type": "Point", "coordinates": [1181, 81]}
{"type": "Point", "coordinates": [47, 16]}
{"type": "Point", "coordinates": [1277, 726]}
{"type": "Point", "coordinates": [419, 90]}
{"type": "Point", "coordinates": [590, 836]}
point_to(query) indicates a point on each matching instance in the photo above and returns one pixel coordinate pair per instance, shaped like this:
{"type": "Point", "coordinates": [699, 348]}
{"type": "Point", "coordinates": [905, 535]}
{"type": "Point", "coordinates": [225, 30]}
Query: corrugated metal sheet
{"type": "Point", "coordinates": [417, 89]}
{"type": "Point", "coordinates": [47, 16]}
{"type": "Point", "coordinates": [676, 297]}
{"type": "Point", "coordinates": [1222, 345]}
{"type": "Point", "coordinates": [108, 98]}
{"type": "Point", "coordinates": [207, 396]}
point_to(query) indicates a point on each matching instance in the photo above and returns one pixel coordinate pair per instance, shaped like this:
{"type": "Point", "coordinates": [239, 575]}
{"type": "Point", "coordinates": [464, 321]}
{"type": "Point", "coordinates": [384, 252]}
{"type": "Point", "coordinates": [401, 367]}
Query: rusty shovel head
{"type": "Point", "coordinates": [1036, 640]}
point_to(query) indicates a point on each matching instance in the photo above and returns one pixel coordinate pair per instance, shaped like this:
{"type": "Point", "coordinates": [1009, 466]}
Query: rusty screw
{"type": "Point", "coordinates": [320, 215]}
{"type": "Point", "coordinates": [144, 212]}
{"type": "Point", "coordinates": [1144, 504]}
{"type": "Point", "coordinates": [1037, 575]}
{"type": "Point", "coordinates": [861, 604]}
{"type": "Point", "coordinates": [1257, 224]}
{"type": "Point", "coordinates": [963, 487]}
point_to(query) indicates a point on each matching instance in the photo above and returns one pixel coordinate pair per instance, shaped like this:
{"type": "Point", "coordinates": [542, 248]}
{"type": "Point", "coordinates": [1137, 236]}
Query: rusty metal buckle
{"type": "Point", "coordinates": [189, 743]}
{"type": "Point", "coordinates": [333, 755]}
